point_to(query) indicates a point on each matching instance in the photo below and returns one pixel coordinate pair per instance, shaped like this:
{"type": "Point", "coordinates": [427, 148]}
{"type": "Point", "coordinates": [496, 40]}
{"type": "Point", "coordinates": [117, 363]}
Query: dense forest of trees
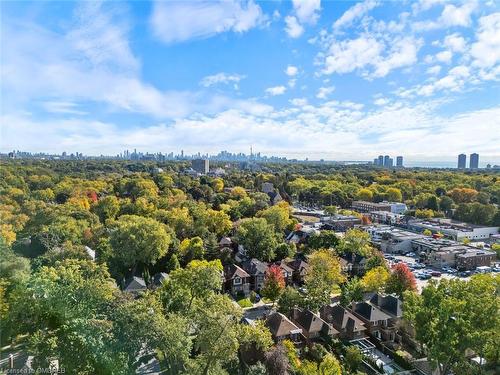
{"type": "Point", "coordinates": [141, 220]}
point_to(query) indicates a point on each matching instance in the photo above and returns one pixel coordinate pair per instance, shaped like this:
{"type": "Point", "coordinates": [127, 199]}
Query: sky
{"type": "Point", "coordinates": [333, 80]}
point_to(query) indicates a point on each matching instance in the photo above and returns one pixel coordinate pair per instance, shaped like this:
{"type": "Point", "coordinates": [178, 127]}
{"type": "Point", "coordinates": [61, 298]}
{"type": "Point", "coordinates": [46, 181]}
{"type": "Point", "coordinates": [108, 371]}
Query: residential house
{"type": "Point", "coordinates": [158, 280]}
{"type": "Point", "coordinates": [313, 327]}
{"type": "Point", "coordinates": [257, 271]}
{"type": "Point", "coordinates": [282, 328]}
{"type": "Point", "coordinates": [299, 268]}
{"type": "Point", "coordinates": [350, 327]}
{"type": "Point", "coordinates": [236, 280]}
{"type": "Point", "coordinates": [356, 263]}
{"type": "Point", "coordinates": [225, 242]}
{"type": "Point", "coordinates": [286, 270]}
{"type": "Point", "coordinates": [375, 320]}
{"type": "Point", "coordinates": [135, 285]}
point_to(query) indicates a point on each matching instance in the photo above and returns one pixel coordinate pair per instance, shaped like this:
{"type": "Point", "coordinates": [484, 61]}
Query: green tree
{"type": "Point", "coordinates": [106, 208]}
{"type": "Point", "coordinates": [353, 358]}
{"type": "Point", "coordinates": [375, 279]}
{"type": "Point", "coordinates": [289, 299]}
{"type": "Point", "coordinates": [198, 279]}
{"type": "Point", "coordinates": [139, 240]}
{"type": "Point", "coordinates": [191, 249]}
{"type": "Point", "coordinates": [351, 291]}
{"type": "Point", "coordinates": [258, 238]}
{"type": "Point", "coordinates": [452, 316]}
{"type": "Point", "coordinates": [323, 276]}
{"type": "Point", "coordinates": [364, 195]}
{"type": "Point", "coordinates": [393, 195]}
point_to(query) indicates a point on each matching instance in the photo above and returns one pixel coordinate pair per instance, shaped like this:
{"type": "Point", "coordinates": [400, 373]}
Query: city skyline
{"type": "Point", "coordinates": [329, 80]}
{"type": "Point", "coordinates": [138, 155]}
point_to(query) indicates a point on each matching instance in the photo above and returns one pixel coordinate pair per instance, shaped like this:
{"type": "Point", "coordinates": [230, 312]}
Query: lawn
{"type": "Point", "coordinates": [245, 302]}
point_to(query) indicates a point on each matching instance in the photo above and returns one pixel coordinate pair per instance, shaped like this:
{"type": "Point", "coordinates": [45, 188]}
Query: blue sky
{"type": "Point", "coordinates": [334, 79]}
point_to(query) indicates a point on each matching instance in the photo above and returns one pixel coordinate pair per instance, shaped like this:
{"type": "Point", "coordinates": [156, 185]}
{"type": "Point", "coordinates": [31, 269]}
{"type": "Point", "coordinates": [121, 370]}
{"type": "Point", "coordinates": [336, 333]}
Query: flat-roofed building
{"type": "Point", "coordinates": [453, 229]}
{"type": "Point", "coordinates": [365, 207]}
{"type": "Point", "coordinates": [201, 165]}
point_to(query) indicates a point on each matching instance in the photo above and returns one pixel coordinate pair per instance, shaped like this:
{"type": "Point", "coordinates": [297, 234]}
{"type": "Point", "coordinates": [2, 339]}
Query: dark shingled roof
{"type": "Point", "coordinates": [341, 318]}
{"type": "Point", "coordinates": [391, 304]}
{"type": "Point", "coordinates": [310, 321]}
{"type": "Point", "coordinates": [254, 267]}
{"type": "Point", "coordinates": [135, 284]}
{"type": "Point", "coordinates": [298, 265]}
{"type": "Point", "coordinates": [231, 271]}
{"type": "Point", "coordinates": [369, 312]}
{"type": "Point", "coordinates": [279, 325]}
{"type": "Point", "coordinates": [159, 278]}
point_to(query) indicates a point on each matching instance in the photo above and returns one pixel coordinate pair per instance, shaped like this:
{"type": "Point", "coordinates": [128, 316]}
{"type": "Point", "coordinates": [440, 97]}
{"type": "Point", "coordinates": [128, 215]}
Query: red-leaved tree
{"type": "Point", "coordinates": [274, 283]}
{"type": "Point", "coordinates": [400, 280]}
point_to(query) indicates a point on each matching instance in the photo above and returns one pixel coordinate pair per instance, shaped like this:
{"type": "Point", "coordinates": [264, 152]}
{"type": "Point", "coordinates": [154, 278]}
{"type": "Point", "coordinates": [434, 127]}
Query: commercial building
{"type": "Point", "coordinates": [462, 161]}
{"type": "Point", "coordinates": [439, 253]}
{"type": "Point", "coordinates": [385, 217]}
{"type": "Point", "coordinates": [474, 161]}
{"type": "Point", "coordinates": [399, 161]}
{"type": "Point", "coordinates": [365, 207]}
{"type": "Point", "coordinates": [455, 230]}
{"type": "Point", "coordinates": [386, 160]}
{"type": "Point", "coordinates": [380, 160]}
{"type": "Point", "coordinates": [391, 239]}
{"type": "Point", "coordinates": [201, 165]}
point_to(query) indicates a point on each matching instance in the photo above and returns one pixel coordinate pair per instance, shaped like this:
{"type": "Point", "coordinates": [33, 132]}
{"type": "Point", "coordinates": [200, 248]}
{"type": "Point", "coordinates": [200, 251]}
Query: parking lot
{"type": "Point", "coordinates": [422, 283]}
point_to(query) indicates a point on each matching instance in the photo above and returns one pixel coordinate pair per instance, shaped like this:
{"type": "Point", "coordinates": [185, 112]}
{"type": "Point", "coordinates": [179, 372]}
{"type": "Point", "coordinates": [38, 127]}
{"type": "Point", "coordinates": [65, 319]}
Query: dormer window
{"type": "Point", "coordinates": [237, 281]}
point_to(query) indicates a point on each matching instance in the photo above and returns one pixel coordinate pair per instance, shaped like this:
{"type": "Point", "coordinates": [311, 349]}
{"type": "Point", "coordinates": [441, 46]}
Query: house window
{"type": "Point", "coordinates": [237, 281]}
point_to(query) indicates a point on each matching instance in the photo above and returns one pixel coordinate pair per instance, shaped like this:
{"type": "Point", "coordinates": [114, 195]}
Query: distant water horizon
{"type": "Point", "coordinates": [442, 164]}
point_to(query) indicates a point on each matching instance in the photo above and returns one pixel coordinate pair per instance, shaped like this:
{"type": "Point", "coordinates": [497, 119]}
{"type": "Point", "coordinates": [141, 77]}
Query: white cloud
{"type": "Point", "coordinates": [62, 107]}
{"type": "Point", "coordinates": [72, 67]}
{"type": "Point", "coordinates": [348, 55]}
{"type": "Point", "coordinates": [291, 70]}
{"type": "Point", "coordinates": [277, 90]}
{"type": "Point", "coordinates": [444, 56]}
{"type": "Point", "coordinates": [223, 78]}
{"type": "Point", "coordinates": [324, 92]}
{"type": "Point", "coordinates": [299, 102]}
{"type": "Point", "coordinates": [355, 12]}
{"type": "Point", "coordinates": [176, 21]}
{"type": "Point", "coordinates": [307, 10]}
{"type": "Point", "coordinates": [381, 101]}
{"type": "Point", "coordinates": [415, 131]}
{"type": "Point", "coordinates": [434, 70]}
{"type": "Point", "coordinates": [486, 50]}
{"type": "Point", "coordinates": [455, 42]}
{"type": "Point", "coordinates": [451, 16]}
{"type": "Point", "coordinates": [292, 82]}
{"type": "Point", "coordinates": [304, 12]}
{"type": "Point", "coordinates": [293, 28]}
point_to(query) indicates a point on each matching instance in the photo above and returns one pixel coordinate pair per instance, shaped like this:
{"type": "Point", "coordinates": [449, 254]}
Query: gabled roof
{"type": "Point", "coordinates": [298, 265]}
{"type": "Point", "coordinates": [342, 318]}
{"type": "Point", "coordinates": [309, 321]}
{"type": "Point", "coordinates": [135, 284]}
{"type": "Point", "coordinates": [389, 303]}
{"type": "Point", "coordinates": [280, 325]}
{"type": "Point", "coordinates": [368, 311]}
{"type": "Point", "coordinates": [255, 266]}
{"type": "Point", "coordinates": [225, 241]}
{"type": "Point", "coordinates": [232, 270]}
{"type": "Point", "coordinates": [282, 264]}
{"type": "Point", "coordinates": [159, 278]}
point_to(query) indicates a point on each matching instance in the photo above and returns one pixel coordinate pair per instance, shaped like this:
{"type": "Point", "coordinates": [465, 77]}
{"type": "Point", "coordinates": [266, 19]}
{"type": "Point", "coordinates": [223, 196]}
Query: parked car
{"type": "Point", "coordinates": [465, 273]}
{"type": "Point", "coordinates": [436, 274]}
{"type": "Point", "coordinates": [411, 254]}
